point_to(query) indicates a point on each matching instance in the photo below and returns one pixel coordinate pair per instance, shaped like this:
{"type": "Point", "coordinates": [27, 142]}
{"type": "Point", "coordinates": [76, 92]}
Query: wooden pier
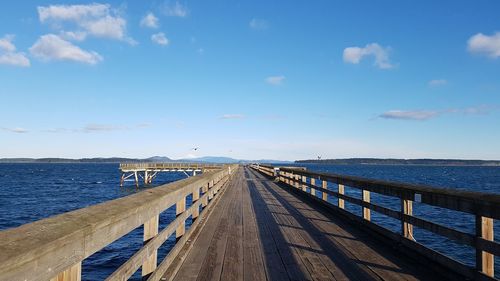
{"type": "Point", "coordinates": [148, 171]}
{"type": "Point", "coordinates": [260, 223]}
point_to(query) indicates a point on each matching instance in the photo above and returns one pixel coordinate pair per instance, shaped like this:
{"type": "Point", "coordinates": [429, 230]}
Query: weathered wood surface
{"type": "Point", "coordinates": [54, 248]}
{"type": "Point", "coordinates": [261, 231]}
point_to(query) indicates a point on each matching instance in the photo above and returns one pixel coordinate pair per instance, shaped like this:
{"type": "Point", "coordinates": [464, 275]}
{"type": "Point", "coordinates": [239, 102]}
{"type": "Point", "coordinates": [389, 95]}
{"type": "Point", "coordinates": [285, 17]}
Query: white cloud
{"type": "Point", "coordinates": [258, 24]}
{"type": "Point", "coordinates": [102, 128]}
{"type": "Point", "coordinates": [52, 47]}
{"type": "Point", "coordinates": [428, 114]}
{"type": "Point", "coordinates": [438, 82]}
{"type": "Point", "coordinates": [73, 35]}
{"type": "Point", "coordinates": [176, 10]}
{"type": "Point", "coordinates": [8, 54]}
{"type": "Point", "coordinates": [275, 80]}
{"type": "Point", "coordinates": [232, 116]}
{"type": "Point", "coordinates": [160, 39]}
{"type": "Point", "coordinates": [150, 21]}
{"type": "Point", "coordinates": [355, 54]}
{"type": "Point", "coordinates": [98, 20]}
{"type": "Point", "coordinates": [410, 115]}
{"type": "Point", "coordinates": [15, 130]}
{"type": "Point", "coordinates": [485, 45]}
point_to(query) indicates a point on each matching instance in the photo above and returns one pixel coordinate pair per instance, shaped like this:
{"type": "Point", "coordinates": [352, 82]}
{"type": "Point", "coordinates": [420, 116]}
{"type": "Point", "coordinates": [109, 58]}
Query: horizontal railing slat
{"type": "Point", "coordinates": [479, 203]}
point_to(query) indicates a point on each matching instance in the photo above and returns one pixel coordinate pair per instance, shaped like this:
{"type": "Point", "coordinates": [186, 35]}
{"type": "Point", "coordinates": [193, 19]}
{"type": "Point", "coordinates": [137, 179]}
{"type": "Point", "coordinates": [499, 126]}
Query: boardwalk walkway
{"type": "Point", "coordinates": [260, 231]}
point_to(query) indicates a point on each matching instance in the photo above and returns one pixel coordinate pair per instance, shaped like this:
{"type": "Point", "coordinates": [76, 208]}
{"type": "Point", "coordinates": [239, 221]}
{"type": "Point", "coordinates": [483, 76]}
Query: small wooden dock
{"type": "Point", "coordinates": [148, 171]}
{"type": "Point", "coordinates": [260, 223]}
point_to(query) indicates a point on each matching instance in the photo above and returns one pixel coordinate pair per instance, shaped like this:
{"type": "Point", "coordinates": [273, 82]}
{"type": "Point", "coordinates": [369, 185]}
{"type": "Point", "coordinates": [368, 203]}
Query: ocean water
{"type": "Point", "coordinates": [29, 192]}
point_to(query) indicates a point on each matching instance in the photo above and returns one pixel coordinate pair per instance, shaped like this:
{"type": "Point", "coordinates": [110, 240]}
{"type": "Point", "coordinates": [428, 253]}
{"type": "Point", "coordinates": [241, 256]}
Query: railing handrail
{"type": "Point", "coordinates": [169, 165]}
{"type": "Point", "coordinates": [42, 249]}
{"type": "Point", "coordinates": [485, 207]}
{"type": "Point", "coordinates": [473, 202]}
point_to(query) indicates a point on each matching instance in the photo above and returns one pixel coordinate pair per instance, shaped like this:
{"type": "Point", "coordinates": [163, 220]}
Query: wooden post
{"type": "Point", "coordinates": [136, 179]}
{"type": "Point", "coordinates": [180, 207]}
{"type": "Point", "coordinates": [122, 179]}
{"type": "Point", "coordinates": [406, 209]}
{"type": "Point", "coordinates": [341, 191]}
{"type": "Point", "coordinates": [210, 190]}
{"type": "Point", "coordinates": [304, 180]}
{"type": "Point", "coordinates": [366, 211]}
{"type": "Point", "coordinates": [74, 273]}
{"type": "Point", "coordinates": [324, 185]}
{"type": "Point", "coordinates": [204, 201]}
{"type": "Point", "coordinates": [485, 262]}
{"type": "Point", "coordinates": [196, 197]}
{"type": "Point", "coordinates": [297, 181]}
{"type": "Point", "coordinates": [150, 231]}
{"type": "Point", "coordinates": [313, 190]}
{"type": "Point", "coordinates": [146, 177]}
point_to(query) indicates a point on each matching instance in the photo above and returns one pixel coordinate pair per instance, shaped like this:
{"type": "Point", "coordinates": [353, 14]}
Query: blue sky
{"type": "Point", "coordinates": [250, 79]}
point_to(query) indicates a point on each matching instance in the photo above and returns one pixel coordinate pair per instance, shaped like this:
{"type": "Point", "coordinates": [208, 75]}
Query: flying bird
{"type": "Point", "coordinates": [195, 148]}
{"type": "Point", "coordinates": [319, 157]}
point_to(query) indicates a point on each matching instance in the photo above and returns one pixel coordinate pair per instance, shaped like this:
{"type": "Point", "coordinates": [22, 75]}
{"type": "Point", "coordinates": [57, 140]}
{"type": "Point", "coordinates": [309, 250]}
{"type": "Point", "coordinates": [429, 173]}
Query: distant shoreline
{"type": "Point", "coordinates": [403, 162]}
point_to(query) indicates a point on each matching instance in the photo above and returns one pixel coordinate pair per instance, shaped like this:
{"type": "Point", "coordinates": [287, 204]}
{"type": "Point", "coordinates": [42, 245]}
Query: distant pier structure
{"type": "Point", "coordinates": [148, 171]}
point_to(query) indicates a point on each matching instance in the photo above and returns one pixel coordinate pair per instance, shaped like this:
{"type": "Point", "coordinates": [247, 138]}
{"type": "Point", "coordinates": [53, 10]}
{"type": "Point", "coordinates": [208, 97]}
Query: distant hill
{"type": "Point", "coordinates": [391, 161]}
{"type": "Point", "coordinates": [157, 159]}
{"type": "Point", "coordinates": [226, 160]}
{"type": "Point", "coordinates": [83, 160]}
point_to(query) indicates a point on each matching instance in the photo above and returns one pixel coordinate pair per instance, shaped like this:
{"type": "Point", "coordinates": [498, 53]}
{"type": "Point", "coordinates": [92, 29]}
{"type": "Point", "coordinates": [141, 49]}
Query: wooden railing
{"type": "Point", "coordinates": [135, 166]}
{"type": "Point", "coordinates": [54, 248]}
{"type": "Point", "coordinates": [485, 208]}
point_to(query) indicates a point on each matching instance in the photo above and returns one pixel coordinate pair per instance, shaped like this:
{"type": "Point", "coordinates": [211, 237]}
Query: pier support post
{"type": "Point", "coordinates": [406, 209]}
{"type": "Point", "coordinates": [146, 177]}
{"type": "Point", "coordinates": [324, 195]}
{"type": "Point", "coordinates": [210, 190]}
{"type": "Point", "coordinates": [366, 211]}
{"type": "Point", "coordinates": [313, 190]}
{"type": "Point", "coordinates": [485, 262]}
{"type": "Point", "coordinates": [180, 207]}
{"type": "Point", "coordinates": [204, 201]}
{"type": "Point", "coordinates": [74, 273]}
{"type": "Point", "coordinates": [122, 179]}
{"type": "Point", "coordinates": [304, 180]}
{"type": "Point", "coordinates": [341, 191]}
{"type": "Point", "coordinates": [150, 231]}
{"type": "Point", "coordinates": [136, 179]}
{"type": "Point", "coordinates": [196, 197]}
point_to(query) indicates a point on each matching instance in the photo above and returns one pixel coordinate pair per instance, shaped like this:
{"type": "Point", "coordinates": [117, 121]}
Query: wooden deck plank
{"type": "Point", "coordinates": [264, 232]}
{"type": "Point", "coordinates": [376, 262]}
{"type": "Point", "coordinates": [191, 266]}
{"type": "Point", "coordinates": [253, 262]}
{"type": "Point", "coordinates": [233, 257]}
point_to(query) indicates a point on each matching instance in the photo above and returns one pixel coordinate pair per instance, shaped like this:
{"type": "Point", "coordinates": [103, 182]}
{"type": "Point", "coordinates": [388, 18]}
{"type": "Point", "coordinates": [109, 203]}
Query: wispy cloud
{"type": "Point", "coordinates": [275, 80]}
{"type": "Point", "coordinates": [9, 54]}
{"type": "Point", "coordinates": [15, 130]}
{"type": "Point", "coordinates": [409, 115]}
{"type": "Point", "coordinates": [421, 115]}
{"type": "Point", "coordinates": [51, 47]}
{"type": "Point", "coordinates": [150, 20]}
{"type": "Point", "coordinates": [437, 82]}
{"type": "Point", "coordinates": [485, 45]}
{"type": "Point", "coordinates": [176, 10]}
{"type": "Point", "coordinates": [258, 24]}
{"type": "Point", "coordinates": [160, 39]}
{"type": "Point", "coordinates": [355, 54]}
{"type": "Point", "coordinates": [98, 20]}
{"type": "Point", "coordinates": [97, 128]}
{"type": "Point", "coordinates": [232, 116]}
{"type": "Point", "coordinates": [103, 128]}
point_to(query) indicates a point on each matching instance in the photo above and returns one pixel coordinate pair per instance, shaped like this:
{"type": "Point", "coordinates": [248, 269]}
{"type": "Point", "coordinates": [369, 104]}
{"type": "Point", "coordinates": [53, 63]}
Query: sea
{"type": "Point", "coordinates": [30, 192]}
